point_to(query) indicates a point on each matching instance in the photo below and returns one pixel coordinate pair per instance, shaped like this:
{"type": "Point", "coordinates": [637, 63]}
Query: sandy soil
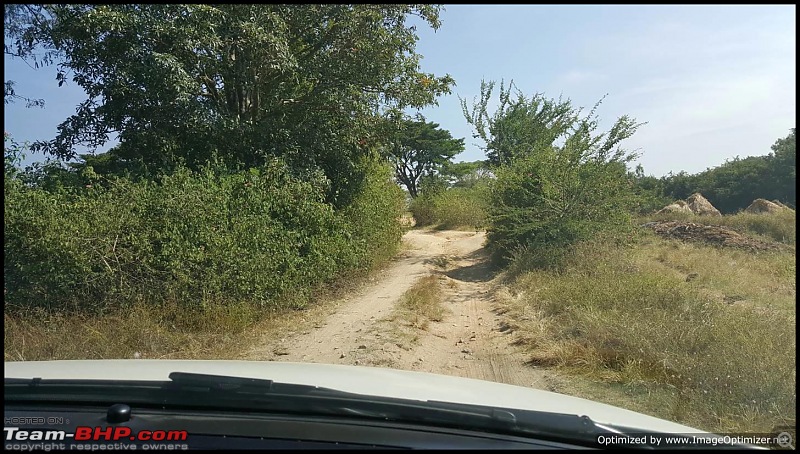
{"type": "Point", "coordinates": [471, 340]}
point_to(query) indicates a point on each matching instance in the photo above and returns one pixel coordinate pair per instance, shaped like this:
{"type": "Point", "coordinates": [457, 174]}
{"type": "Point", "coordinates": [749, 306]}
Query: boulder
{"type": "Point", "coordinates": [676, 207]}
{"type": "Point", "coordinates": [777, 202]}
{"type": "Point", "coordinates": [761, 206]}
{"type": "Point", "coordinates": [700, 205]}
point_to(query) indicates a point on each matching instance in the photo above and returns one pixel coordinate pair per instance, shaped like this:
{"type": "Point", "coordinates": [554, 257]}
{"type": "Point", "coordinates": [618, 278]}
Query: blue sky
{"type": "Point", "coordinates": [712, 82]}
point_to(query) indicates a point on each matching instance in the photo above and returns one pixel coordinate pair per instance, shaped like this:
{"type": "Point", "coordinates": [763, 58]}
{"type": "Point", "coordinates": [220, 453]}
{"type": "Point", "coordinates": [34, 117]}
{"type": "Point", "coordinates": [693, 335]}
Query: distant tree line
{"type": "Point", "coordinates": [733, 185]}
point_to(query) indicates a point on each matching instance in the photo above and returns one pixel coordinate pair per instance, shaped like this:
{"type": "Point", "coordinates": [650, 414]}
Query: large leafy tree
{"type": "Point", "coordinates": [237, 83]}
{"type": "Point", "coordinates": [421, 148]}
{"type": "Point", "coordinates": [14, 19]}
{"type": "Point", "coordinates": [783, 163]}
{"type": "Point", "coordinates": [466, 174]}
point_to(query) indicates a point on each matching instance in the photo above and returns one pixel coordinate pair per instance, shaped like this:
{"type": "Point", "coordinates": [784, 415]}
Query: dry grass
{"type": "Point", "coordinates": [422, 303]}
{"type": "Point", "coordinates": [139, 331]}
{"type": "Point", "coordinates": [419, 305]}
{"type": "Point", "coordinates": [689, 333]}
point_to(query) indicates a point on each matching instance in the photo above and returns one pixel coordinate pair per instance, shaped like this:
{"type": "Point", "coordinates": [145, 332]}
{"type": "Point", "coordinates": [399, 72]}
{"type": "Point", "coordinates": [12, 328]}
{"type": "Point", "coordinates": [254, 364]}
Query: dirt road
{"type": "Point", "coordinates": [471, 340]}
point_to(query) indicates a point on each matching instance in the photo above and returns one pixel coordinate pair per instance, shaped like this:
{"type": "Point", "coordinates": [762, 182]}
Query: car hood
{"type": "Point", "coordinates": [364, 380]}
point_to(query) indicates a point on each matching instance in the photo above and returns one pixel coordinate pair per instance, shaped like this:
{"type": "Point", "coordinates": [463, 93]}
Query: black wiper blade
{"type": "Point", "coordinates": [252, 394]}
{"type": "Point", "coordinates": [222, 384]}
{"type": "Point", "coordinates": [219, 392]}
{"type": "Point", "coordinates": [334, 402]}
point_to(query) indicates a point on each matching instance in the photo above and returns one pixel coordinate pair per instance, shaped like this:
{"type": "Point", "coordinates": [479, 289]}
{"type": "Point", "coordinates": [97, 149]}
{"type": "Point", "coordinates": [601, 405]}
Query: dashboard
{"type": "Point", "coordinates": [133, 428]}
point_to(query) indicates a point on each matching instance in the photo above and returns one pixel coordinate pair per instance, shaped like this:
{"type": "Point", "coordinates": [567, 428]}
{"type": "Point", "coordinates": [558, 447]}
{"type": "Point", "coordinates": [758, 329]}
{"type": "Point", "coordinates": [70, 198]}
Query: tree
{"type": "Point", "coordinates": [466, 174]}
{"type": "Point", "coordinates": [185, 84]}
{"type": "Point", "coordinates": [519, 124]}
{"type": "Point", "coordinates": [420, 148]}
{"type": "Point", "coordinates": [783, 166]}
{"type": "Point", "coordinates": [10, 95]}
{"type": "Point", "coordinates": [15, 15]}
{"type": "Point", "coordinates": [649, 191]}
{"type": "Point", "coordinates": [549, 194]}
{"type": "Point", "coordinates": [735, 184]}
{"type": "Point", "coordinates": [13, 154]}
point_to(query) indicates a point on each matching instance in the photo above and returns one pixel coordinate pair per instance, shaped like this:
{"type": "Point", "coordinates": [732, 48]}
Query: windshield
{"type": "Point", "coordinates": [592, 200]}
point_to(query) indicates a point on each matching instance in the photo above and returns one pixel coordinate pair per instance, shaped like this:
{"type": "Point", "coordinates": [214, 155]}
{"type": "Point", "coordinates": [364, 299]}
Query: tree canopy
{"type": "Point", "coordinates": [185, 84]}
{"type": "Point", "coordinates": [466, 174]}
{"type": "Point", "coordinates": [519, 123]}
{"type": "Point", "coordinates": [421, 148]}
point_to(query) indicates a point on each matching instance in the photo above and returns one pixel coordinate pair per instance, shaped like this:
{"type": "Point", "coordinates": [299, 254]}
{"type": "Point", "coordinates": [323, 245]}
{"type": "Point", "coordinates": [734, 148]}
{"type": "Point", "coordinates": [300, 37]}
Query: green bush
{"type": "Point", "coordinates": [555, 198]}
{"type": "Point", "coordinates": [423, 210]}
{"type": "Point", "coordinates": [462, 207]}
{"type": "Point", "coordinates": [558, 180]}
{"type": "Point", "coordinates": [453, 208]}
{"type": "Point", "coordinates": [373, 218]}
{"type": "Point", "coordinates": [264, 236]}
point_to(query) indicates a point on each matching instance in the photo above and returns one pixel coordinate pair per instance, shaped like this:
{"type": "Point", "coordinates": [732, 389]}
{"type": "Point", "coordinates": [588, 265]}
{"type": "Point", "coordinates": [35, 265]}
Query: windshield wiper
{"type": "Point", "coordinates": [243, 385]}
{"type": "Point", "coordinates": [226, 393]}
{"type": "Point", "coordinates": [474, 417]}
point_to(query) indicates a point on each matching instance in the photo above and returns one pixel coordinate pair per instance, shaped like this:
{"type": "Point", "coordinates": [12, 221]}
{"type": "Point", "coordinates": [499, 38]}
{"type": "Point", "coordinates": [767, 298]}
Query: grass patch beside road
{"type": "Point", "coordinates": [689, 333]}
{"type": "Point", "coordinates": [126, 333]}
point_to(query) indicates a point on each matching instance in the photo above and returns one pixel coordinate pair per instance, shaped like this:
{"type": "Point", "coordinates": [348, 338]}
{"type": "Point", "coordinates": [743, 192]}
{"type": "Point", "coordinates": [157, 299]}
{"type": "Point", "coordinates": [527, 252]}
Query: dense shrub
{"type": "Point", "coordinates": [556, 198]}
{"type": "Point", "coordinates": [453, 208]}
{"type": "Point", "coordinates": [558, 180]}
{"type": "Point", "coordinates": [373, 217]}
{"type": "Point", "coordinates": [264, 236]}
{"type": "Point", "coordinates": [423, 210]}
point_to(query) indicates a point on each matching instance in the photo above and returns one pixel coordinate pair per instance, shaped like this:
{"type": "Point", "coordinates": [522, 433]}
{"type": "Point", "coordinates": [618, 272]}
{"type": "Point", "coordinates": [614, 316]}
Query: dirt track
{"type": "Point", "coordinates": [471, 341]}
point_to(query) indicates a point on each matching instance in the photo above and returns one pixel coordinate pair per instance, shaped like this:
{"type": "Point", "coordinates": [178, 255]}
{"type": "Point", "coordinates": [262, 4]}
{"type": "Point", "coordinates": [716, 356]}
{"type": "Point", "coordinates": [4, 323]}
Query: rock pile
{"type": "Point", "coordinates": [761, 206]}
{"type": "Point", "coordinates": [695, 204]}
{"type": "Point", "coordinates": [700, 205]}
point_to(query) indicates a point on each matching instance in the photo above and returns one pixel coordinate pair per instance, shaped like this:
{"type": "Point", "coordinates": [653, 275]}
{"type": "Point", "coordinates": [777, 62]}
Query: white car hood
{"type": "Point", "coordinates": [355, 379]}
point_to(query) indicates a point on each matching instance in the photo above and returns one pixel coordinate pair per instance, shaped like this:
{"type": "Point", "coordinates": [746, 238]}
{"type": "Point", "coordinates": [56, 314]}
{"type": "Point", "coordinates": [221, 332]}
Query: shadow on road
{"type": "Point", "coordinates": [481, 271]}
